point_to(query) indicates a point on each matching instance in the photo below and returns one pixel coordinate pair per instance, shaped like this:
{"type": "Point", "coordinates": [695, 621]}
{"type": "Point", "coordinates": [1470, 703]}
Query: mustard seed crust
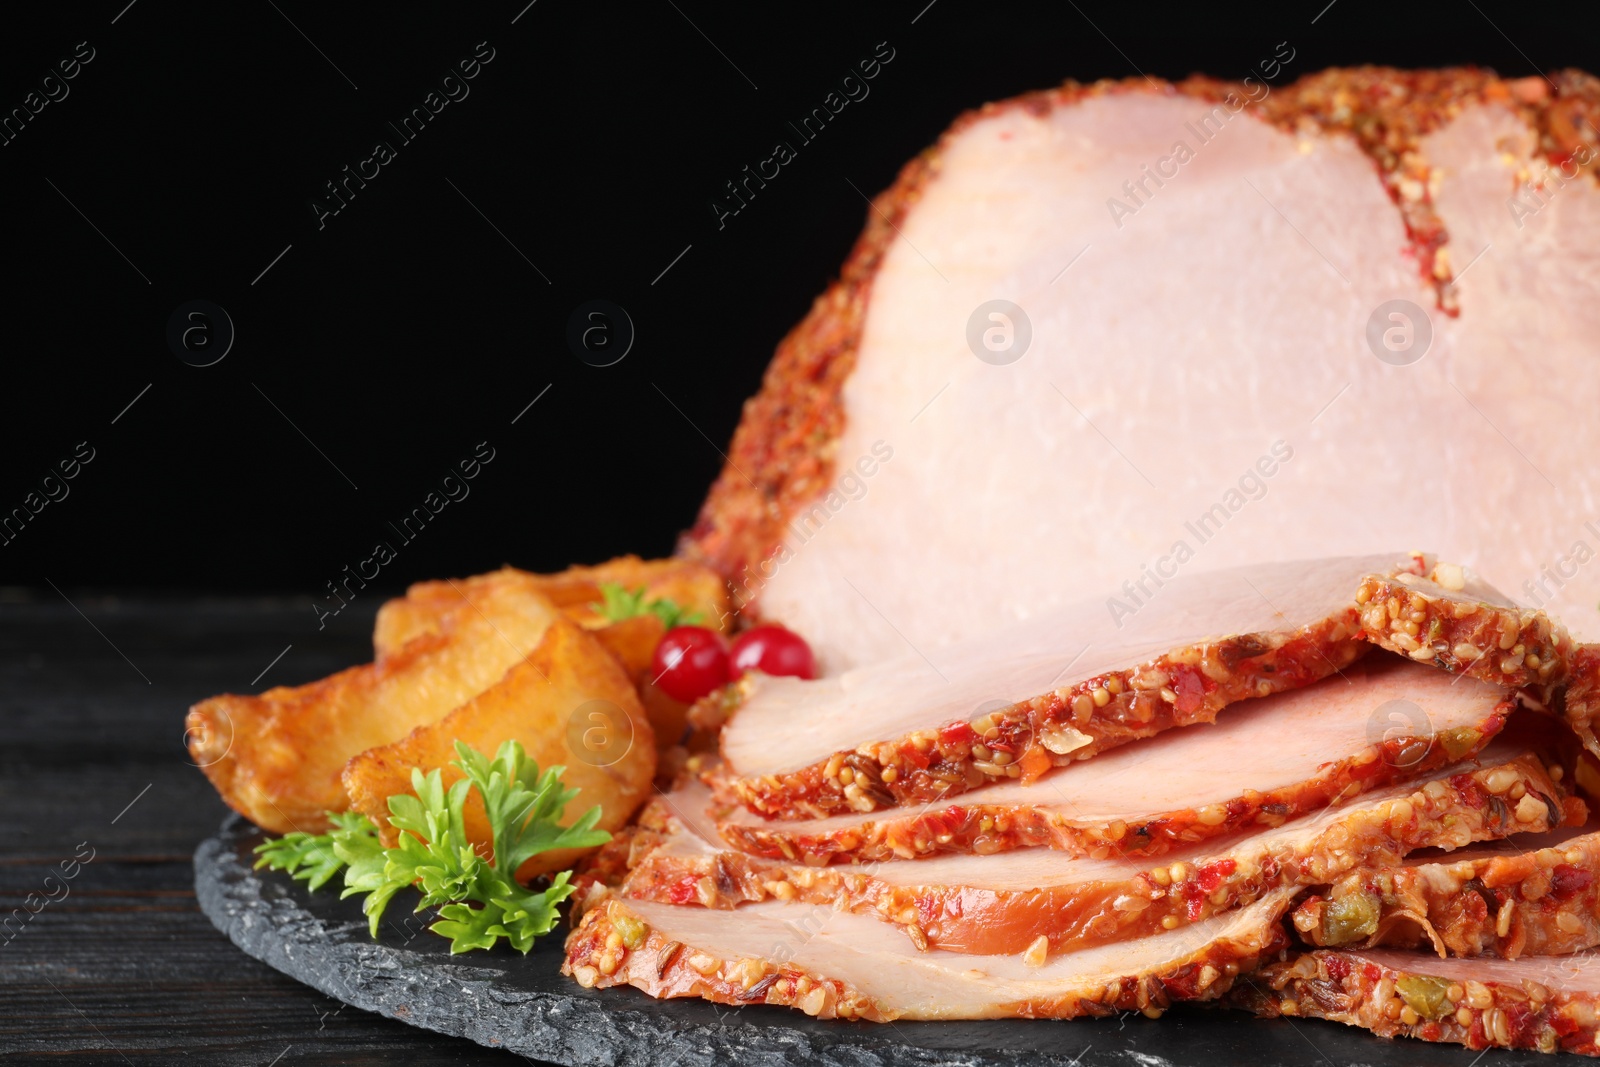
{"type": "Point", "coordinates": [1448, 812]}
{"type": "Point", "coordinates": [1345, 987]}
{"type": "Point", "coordinates": [1442, 625]}
{"type": "Point", "coordinates": [613, 947]}
{"type": "Point", "coordinates": [906, 833]}
{"type": "Point", "coordinates": [1580, 703]}
{"type": "Point", "coordinates": [1026, 740]}
{"type": "Point", "coordinates": [1545, 902]}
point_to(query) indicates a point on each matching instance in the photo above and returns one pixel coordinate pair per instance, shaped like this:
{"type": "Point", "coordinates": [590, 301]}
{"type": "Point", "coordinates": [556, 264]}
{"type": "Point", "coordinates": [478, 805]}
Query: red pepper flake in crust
{"type": "Point", "coordinates": [1580, 706]}
{"type": "Point", "coordinates": [1452, 621]}
{"type": "Point", "coordinates": [1052, 691]}
{"type": "Point", "coordinates": [838, 965]}
{"type": "Point", "coordinates": [1261, 764]}
{"type": "Point", "coordinates": [1536, 1002]}
{"type": "Point", "coordinates": [1525, 896]}
{"type": "Point", "coordinates": [1005, 903]}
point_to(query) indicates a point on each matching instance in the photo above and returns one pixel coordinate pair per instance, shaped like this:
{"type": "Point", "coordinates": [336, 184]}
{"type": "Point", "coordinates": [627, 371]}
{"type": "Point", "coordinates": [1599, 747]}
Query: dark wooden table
{"type": "Point", "coordinates": [121, 967]}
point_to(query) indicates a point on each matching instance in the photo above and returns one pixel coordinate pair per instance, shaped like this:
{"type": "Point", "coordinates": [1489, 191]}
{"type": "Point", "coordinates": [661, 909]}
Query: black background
{"type": "Point", "coordinates": [411, 327]}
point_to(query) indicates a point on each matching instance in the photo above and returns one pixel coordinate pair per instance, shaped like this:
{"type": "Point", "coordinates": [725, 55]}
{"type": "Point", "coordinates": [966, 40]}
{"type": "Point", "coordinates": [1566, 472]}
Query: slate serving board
{"type": "Point", "coordinates": [522, 1003]}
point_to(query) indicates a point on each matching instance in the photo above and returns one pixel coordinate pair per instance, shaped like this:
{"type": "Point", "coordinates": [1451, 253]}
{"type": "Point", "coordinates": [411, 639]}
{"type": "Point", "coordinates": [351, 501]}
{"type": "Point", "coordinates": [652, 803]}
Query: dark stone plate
{"type": "Point", "coordinates": [522, 1003]}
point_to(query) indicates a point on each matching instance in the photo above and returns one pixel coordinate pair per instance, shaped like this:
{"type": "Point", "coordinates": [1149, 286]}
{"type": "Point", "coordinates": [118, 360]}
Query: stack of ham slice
{"type": "Point", "coordinates": [1259, 805]}
{"type": "Point", "coordinates": [1239, 325]}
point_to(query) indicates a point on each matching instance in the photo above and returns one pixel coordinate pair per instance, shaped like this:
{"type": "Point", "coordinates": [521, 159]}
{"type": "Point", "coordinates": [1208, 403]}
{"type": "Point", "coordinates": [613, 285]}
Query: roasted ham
{"type": "Point", "coordinates": [1260, 764]}
{"type": "Point", "coordinates": [1272, 348]}
{"type": "Point", "coordinates": [1535, 896]}
{"type": "Point", "coordinates": [1549, 1003]}
{"type": "Point", "coordinates": [1453, 621]}
{"type": "Point", "coordinates": [1580, 703]}
{"type": "Point", "coordinates": [1217, 368]}
{"type": "Point", "coordinates": [1004, 903]}
{"type": "Point", "coordinates": [1056, 689]}
{"type": "Point", "coordinates": [836, 964]}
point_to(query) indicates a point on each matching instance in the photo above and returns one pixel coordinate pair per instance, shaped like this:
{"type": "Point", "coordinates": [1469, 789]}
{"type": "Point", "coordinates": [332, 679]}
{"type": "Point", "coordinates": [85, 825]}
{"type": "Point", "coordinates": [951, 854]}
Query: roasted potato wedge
{"type": "Point", "coordinates": [693, 586]}
{"type": "Point", "coordinates": [633, 642]}
{"type": "Point", "coordinates": [569, 703]}
{"type": "Point", "coordinates": [277, 758]}
{"type": "Point", "coordinates": [575, 590]}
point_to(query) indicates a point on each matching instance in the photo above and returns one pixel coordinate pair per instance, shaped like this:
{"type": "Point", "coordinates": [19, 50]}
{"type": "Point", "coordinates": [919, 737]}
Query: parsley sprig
{"type": "Point", "coordinates": [479, 901]}
{"type": "Point", "coordinates": [617, 603]}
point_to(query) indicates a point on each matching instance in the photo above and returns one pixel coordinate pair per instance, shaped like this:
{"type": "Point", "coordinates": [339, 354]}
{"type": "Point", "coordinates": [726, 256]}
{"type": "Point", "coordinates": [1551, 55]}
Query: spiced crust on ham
{"type": "Point", "coordinates": [1311, 747]}
{"type": "Point", "coordinates": [1516, 900]}
{"type": "Point", "coordinates": [1547, 1003]}
{"type": "Point", "coordinates": [838, 965]}
{"type": "Point", "coordinates": [1073, 682]}
{"type": "Point", "coordinates": [1005, 903]}
{"type": "Point", "coordinates": [1027, 740]}
{"type": "Point", "coordinates": [1443, 622]}
{"type": "Point", "coordinates": [975, 826]}
{"type": "Point", "coordinates": [1580, 703]}
{"type": "Point", "coordinates": [782, 454]}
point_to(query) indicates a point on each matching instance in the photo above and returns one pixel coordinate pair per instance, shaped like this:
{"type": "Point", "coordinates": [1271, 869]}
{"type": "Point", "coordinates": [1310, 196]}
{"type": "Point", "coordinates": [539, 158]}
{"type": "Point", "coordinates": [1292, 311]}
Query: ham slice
{"type": "Point", "coordinates": [1581, 701]}
{"type": "Point", "coordinates": [1548, 1003]}
{"type": "Point", "coordinates": [1261, 764]}
{"type": "Point", "coordinates": [1053, 690]}
{"type": "Point", "coordinates": [1453, 621]}
{"type": "Point", "coordinates": [1537, 896]}
{"type": "Point", "coordinates": [835, 964]}
{"type": "Point", "coordinates": [1216, 369]}
{"type": "Point", "coordinates": [1004, 903]}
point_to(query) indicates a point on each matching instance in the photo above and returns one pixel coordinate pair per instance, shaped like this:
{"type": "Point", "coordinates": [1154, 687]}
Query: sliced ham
{"type": "Point", "coordinates": [1003, 903]}
{"type": "Point", "coordinates": [1198, 319]}
{"type": "Point", "coordinates": [1549, 1003]}
{"type": "Point", "coordinates": [1453, 621]}
{"type": "Point", "coordinates": [1262, 763]}
{"type": "Point", "coordinates": [1058, 688]}
{"type": "Point", "coordinates": [835, 964]}
{"type": "Point", "coordinates": [1535, 896]}
{"type": "Point", "coordinates": [1581, 702]}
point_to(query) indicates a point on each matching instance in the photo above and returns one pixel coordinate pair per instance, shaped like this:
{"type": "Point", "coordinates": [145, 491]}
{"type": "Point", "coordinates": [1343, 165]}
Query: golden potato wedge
{"type": "Point", "coordinates": [575, 590]}
{"type": "Point", "coordinates": [428, 606]}
{"type": "Point", "coordinates": [692, 586]}
{"type": "Point", "coordinates": [633, 642]}
{"type": "Point", "coordinates": [277, 758]}
{"type": "Point", "coordinates": [569, 703]}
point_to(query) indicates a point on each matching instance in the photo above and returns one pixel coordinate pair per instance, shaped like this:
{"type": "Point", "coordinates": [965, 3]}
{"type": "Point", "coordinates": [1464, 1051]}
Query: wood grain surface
{"type": "Point", "coordinates": [121, 967]}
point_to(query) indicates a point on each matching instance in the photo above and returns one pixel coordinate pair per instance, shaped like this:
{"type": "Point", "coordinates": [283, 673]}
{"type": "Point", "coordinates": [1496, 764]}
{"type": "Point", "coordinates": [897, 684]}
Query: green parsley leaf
{"type": "Point", "coordinates": [617, 603]}
{"type": "Point", "coordinates": [314, 858]}
{"type": "Point", "coordinates": [525, 807]}
{"type": "Point", "coordinates": [479, 901]}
